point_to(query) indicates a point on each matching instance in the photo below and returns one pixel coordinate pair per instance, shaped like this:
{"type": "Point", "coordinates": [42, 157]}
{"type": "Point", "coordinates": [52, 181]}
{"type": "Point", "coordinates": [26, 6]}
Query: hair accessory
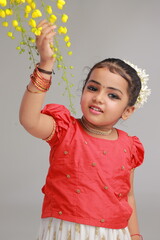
{"type": "Point", "coordinates": [137, 234]}
{"type": "Point", "coordinates": [145, 91]}
{"type": "Point", "coordinates": [97, 132]}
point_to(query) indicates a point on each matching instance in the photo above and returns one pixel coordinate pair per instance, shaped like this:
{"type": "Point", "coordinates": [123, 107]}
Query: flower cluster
{"type": "Point", "coordinates": [21, 17]}
{"type": "Point", "coordinates": [145, 91]}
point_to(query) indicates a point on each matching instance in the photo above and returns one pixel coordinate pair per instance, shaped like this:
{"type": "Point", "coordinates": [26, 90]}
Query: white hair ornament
{"type": "Point", "coordinates": [145, 91]}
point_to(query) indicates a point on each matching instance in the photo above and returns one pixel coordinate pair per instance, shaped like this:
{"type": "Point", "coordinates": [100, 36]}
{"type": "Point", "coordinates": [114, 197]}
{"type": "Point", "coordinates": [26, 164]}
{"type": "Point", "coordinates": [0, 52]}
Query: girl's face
{"type": "Point", "coordinates": [105, 98]}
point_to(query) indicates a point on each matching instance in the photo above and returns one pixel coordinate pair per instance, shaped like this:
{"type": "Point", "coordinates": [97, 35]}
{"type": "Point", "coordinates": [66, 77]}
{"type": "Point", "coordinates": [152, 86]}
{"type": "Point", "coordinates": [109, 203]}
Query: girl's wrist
{"type": "Point", "coordinates": [46, 65]}
{"type": "Point", "coordinates": [136, 236]}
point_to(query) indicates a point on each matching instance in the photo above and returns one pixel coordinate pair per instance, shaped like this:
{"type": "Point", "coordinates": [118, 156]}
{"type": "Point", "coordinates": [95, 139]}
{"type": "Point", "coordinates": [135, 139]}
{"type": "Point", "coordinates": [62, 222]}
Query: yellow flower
{"type": "Point", "coordinates": [59, 65]}
{"type": "Point", "coordinates": [55, 49]}
{"type": "Point", "coordinates": [49, 9]}
{"type": "Point", "coordinates": [33, 5]}
{"type": "Point", "coordinates": [65, 30]}
{"type": "Point", "coordinates": [3, 3]}
{"type": "Point", "coordinates": [29, 1]}
{"type": "Point", "coordinates": [10, 34]}
{"type": "Point", "coordinates": [19, 29]}
{"type": "Point", "coordinates": [68, 44]}
{"type": "Point", "coordinates": [18, 48]}
{"type": "Point", "coordinates": [5, 24]}
{"type": "Point", "coordinates": [32, 23]}
{"type": "Point", "coordinates": [60, 6]}
{"type": "Point", "coordinates": [17, 1]}
{"type": "Point", "coordinates": [62, 30]}
{"type": "Point", "coordinates": [22, 43]}
{"type": "Point", "coordinates": [70, 53]}
{"type": "Point", "coordinates": [32, 40]}
{"type": "Point", "coordinates": [36, 13]}
{"type": "Point", "coordinates": [15, 23]}
{"type": "Point", "coordinates": [2, 13]}
{"type": "Point", "coordinates": [8, 11]}
{"type": "Point", "coordinates": [51, 45]}
{"type": "Point", "coordinates": [66, 38]}
{"type": "Point", "coordinates": [26, 15]}
{"type": "Point", "coordinates": [54, 55]}
{"type": "Point", "coordinates": [52, 18]}
{"type": "Point", "coordinates": [64, 18]}
{"type": "Point", "coordinates": [37, 31]}
{"type": "Point", "coordinates": [27, 9]}
{"type": "Point", "coordinates": [62, 2]}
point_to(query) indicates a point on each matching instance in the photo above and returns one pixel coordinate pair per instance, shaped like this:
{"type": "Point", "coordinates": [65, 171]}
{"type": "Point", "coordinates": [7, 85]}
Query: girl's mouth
{"type": "Point", "coordinates": [96, 109]}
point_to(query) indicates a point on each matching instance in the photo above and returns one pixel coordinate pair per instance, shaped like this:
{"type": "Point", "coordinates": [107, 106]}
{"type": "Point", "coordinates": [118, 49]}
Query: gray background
{"type": "Point", "coordinates": [99, 29]}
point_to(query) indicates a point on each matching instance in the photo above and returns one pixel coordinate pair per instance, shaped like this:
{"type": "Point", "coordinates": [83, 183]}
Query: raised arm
{"type": "Point", "coordinates": [30, 116]}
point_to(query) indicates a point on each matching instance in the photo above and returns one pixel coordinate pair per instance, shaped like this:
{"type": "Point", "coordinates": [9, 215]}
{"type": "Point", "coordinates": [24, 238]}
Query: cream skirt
{"type": "Point", "coordinates": [57, 229]}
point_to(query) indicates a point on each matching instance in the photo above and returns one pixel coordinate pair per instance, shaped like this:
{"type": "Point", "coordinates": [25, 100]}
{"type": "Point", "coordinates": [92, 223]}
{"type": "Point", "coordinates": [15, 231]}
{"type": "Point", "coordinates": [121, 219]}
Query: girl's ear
{"type": "Point", "coordinates": [128, 112]}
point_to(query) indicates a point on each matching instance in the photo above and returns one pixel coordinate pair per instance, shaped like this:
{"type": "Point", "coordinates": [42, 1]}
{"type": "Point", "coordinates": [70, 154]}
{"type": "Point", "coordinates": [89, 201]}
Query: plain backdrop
{"type": "Point", "coordinates": [98, 29]}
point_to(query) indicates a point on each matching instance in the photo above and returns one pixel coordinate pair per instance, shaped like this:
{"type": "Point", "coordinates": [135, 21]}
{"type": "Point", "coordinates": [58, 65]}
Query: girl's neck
{"type": "Point", "coordinates": [98, 132]}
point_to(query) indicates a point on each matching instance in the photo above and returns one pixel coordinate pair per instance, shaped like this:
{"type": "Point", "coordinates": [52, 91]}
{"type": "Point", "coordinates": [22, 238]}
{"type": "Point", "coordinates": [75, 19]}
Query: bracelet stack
{"type": "Point", "coordinates": [41, 83]}
{"type": "Point", "coordinates": [137, 234]}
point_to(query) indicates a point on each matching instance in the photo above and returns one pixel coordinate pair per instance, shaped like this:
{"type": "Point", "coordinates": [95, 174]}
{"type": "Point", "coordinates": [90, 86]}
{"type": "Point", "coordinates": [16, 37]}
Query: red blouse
{"type": "Point", "coordinates": [89, 178]}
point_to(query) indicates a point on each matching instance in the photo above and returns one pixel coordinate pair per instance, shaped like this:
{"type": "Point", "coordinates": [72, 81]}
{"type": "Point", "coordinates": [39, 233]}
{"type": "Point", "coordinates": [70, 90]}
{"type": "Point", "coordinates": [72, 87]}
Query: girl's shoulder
{"type": "Point", "coordinates": [55, 109]}
{"type": "Point", "coordinates": [59, 112]}
{"type": "Point", "coordinates": [136, 148]}
{"type": "Point", "coordinates": [126, 137]}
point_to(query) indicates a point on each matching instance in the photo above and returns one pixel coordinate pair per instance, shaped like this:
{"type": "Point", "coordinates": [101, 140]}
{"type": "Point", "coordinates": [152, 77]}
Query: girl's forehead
{"type": "Point", "coordinates": [104, 74]}
{"type": "Point", "coordinates": [105, 78]}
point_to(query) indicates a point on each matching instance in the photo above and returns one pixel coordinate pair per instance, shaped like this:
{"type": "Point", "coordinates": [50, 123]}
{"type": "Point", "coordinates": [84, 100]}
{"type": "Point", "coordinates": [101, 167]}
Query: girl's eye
{"type": "Point", "coordinates": [113, 96]}
{"type": "Point", "coordinates": [92, 88]}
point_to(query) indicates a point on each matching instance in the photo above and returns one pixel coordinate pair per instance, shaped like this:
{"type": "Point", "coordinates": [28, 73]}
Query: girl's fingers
{"type": "Point", "coordinates": [40, 24]}
{"type": "Point", "coordinates": [45, 31]}
{"type": "Point", "coordinates": [46, 38]}
{"type": "Point", "coordinates": [48, 29]}
{"type": "Point", "coordinates": [50, 36]}
{"type": "Point", "coordinates": [45, 24]}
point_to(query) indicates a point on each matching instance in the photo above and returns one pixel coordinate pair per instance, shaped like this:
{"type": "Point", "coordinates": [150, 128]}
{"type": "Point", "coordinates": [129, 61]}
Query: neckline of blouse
{"type": "Point", "coordinates": [101, 139]}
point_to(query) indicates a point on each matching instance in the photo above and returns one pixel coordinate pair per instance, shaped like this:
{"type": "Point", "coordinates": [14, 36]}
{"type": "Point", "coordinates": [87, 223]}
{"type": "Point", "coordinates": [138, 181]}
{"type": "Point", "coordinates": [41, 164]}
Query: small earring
{"type": "Point", "coordinates": [124, 116]}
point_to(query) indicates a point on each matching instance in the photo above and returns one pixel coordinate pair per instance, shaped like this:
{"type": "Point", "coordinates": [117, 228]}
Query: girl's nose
{"type": "Point", "coordinates": [99, 97]}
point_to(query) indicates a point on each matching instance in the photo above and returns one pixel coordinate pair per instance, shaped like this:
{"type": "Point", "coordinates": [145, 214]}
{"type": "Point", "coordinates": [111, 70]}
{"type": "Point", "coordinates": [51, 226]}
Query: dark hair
{"type": "Point", "coordinates": [118, 66]}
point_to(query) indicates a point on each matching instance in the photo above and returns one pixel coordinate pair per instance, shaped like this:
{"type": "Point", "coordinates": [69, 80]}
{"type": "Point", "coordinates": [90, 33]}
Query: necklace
{"type": "Point", "coordinates": [97, 132]}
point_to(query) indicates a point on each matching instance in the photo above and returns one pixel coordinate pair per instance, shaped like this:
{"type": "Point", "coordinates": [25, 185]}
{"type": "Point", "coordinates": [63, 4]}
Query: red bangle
{"type": "Point", "coordinates": [137, 234]}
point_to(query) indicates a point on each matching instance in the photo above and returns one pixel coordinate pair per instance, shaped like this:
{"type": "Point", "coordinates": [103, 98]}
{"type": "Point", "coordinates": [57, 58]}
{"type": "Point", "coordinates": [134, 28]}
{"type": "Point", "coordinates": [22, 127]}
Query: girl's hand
{"type": "Point", "coordinates": [44, 42]}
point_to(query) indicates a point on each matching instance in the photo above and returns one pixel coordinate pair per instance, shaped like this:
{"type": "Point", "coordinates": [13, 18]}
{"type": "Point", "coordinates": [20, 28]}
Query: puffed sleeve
{"type": "Point", "coordinates": [137, 154]}
{"type": "Point", "coordinates": [62, 118]}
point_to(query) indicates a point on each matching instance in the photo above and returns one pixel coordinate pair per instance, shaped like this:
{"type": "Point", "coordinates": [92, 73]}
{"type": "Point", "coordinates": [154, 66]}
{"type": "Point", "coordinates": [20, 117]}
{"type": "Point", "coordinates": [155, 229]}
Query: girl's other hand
{"type": "Point", "coordinates": [44, 42]}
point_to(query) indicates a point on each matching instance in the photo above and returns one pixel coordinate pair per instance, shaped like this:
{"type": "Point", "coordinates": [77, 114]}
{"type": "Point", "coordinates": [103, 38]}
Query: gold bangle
{"type": "Point", "coordinates": [51, 135]}
{"type": "Point", "coordinates": [36, 72]}
{"type": "Point", "coordinates": [32, 91]}
{"type": "Point", "coordinates": [40, 84]}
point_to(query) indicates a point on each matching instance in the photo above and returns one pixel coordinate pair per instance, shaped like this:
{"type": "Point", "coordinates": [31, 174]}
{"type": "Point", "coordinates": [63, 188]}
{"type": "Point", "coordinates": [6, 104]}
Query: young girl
{"type": "Point", "coordinates": [88, 194]}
